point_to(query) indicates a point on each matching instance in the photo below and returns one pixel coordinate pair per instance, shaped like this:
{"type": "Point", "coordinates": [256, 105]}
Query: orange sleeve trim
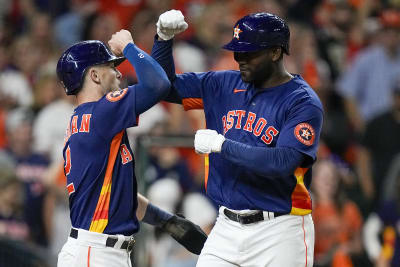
{"type": "Point", "coordinates": [100, 216]}
{"type": "Point", "coordinates": [192, 103]}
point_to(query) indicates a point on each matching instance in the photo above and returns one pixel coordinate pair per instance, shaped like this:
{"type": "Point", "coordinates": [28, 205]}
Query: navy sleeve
{"type": "Point", "coordinates": [162, 53]}
{"type": "Point", "coordinates": [153, 84]}
{"type": "Point", "coordinates": [120, 109]}
{"type": "Point", "coordinates": [302, 129]}
{"type": "Point", "coordinates": [266, 161]}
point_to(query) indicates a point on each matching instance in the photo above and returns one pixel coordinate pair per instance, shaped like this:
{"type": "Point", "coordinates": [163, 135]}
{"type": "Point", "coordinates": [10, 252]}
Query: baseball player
{"type": "Point", "coordinates": [99, 164]}
{"type": "Point", "coordinates": [263, 130]}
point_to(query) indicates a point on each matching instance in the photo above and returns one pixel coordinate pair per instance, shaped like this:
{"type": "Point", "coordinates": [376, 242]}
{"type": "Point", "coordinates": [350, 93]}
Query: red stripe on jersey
{"type": "Point", "coordinates": [192, 103]}
{"type": "Point", "coordinates": [100, 216]}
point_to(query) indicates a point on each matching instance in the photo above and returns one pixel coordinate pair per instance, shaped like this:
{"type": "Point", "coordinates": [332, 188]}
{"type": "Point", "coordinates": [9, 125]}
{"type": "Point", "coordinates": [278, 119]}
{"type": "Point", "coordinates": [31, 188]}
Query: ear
{"type": "Point", "coordinates": [277, 53]}
{"type": "Point", "coordinates": [94, 75]}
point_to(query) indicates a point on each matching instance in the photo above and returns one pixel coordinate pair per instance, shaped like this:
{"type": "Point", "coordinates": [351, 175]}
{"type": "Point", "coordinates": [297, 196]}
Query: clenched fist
{"type": "Point", "coordinates": [119, 40]}
{"type": "Point", "coordinates": [170, 23]}
{"type": "Point", "coordinates": [207, 141]}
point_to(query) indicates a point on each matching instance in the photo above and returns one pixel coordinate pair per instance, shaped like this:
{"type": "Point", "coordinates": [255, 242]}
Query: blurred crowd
{"type": "Point", "coordinates": [347, 50]}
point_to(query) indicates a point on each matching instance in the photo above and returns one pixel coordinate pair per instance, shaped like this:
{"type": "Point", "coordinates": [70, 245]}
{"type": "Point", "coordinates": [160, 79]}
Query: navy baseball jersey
{"type": "Point", "coordinates": [99, 165]}
{"type": "Point", "coordinates": [289, 115]}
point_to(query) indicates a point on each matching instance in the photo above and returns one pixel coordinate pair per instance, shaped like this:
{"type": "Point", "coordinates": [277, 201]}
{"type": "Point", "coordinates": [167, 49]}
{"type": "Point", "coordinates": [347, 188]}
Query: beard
{"type": "Point", "coordinates": [258, 75]}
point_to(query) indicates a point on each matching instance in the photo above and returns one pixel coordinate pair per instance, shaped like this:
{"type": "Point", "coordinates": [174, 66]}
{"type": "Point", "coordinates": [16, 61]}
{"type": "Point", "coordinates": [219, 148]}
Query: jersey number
{"type": "Point", "coordinates": [124, 151]}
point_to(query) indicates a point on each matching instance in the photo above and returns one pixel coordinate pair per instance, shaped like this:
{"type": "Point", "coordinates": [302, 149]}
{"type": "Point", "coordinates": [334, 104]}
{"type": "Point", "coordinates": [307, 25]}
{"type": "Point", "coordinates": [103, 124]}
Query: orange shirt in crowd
{"type": "Point", "coordinates": [333, 226]}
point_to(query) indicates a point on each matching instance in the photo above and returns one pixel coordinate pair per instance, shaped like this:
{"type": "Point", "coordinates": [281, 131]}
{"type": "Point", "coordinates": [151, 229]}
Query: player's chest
{"type": "Point", "coordinates": [253, 120]}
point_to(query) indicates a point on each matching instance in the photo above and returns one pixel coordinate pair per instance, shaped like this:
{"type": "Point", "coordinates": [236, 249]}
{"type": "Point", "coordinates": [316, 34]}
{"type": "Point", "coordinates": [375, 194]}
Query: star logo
{"type": "Point", "coordinates": [116, 95]}
{"type": "Point", "coordinates": [236, 32]}
{"type": "Point", "coordinates": [304, 132]}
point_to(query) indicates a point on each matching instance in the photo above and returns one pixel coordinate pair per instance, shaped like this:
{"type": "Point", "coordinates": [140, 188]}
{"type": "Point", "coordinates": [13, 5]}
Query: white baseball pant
{"type": "Point", "coordinates": [287, 240]}
{"type": "Point", "coordinates": [89, 250]}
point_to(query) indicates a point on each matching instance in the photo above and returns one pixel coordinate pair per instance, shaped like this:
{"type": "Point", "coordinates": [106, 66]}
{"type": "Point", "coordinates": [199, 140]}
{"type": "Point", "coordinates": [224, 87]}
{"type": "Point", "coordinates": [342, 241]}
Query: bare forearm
{"type": "Point", "coordinates": [142, 206]}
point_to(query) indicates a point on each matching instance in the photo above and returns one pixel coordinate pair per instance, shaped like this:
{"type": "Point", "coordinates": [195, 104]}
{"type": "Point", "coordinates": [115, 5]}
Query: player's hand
{"type": "Point", "coordinates": [119, 40]}
{"type": "Point", "coordinates": [170, 23]}
{"type": "Point", "coordinates": [186, 233]}
{"type": "Point", "coordinates": [207, 141]}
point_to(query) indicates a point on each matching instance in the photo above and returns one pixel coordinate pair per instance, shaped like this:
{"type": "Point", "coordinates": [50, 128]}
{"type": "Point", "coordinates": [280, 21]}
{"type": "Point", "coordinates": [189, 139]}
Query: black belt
{"type": "Point", "coordinates": [110, 242]}
{"type": "Point", "coordinates": [249, 218]}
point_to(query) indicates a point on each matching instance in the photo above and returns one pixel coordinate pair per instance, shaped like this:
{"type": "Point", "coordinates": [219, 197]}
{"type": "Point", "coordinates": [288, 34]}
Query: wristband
{"type": "Point", "coordinates": [156, 216]}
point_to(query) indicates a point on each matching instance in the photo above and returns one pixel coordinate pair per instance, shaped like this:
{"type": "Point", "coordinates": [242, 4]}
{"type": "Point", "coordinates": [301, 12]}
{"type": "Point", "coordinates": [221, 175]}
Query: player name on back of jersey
{"type": "Point", "coordinates": [73, 128]}
{"type": "Point", "coordinates": [251, 125]}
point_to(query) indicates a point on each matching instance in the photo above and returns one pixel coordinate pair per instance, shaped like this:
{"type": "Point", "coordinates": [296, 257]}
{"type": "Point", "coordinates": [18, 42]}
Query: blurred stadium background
{"type": "Point", "coordinates": [347, 50]}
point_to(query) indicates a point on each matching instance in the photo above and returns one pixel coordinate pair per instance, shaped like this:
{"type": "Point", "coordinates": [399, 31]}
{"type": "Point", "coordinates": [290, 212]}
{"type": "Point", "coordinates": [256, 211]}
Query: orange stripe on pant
{"type": "Point", "coordinates": [88, 257]}
{"type": "Point", "coordinates": [100, 216]}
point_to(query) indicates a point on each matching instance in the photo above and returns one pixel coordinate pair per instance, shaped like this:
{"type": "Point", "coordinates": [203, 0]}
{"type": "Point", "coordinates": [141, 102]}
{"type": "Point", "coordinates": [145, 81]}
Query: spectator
{"type": "Point", "coordinates": [367, 85]}
{"type": "Point", "coordinates": [337, 220]}
{"type": "Point", "coordinates": [379, 146]}
{"type": "Point", "coordinates": [72, 22]}
{"type": "Point", "coordinates": [167, 162]}
{"type": "Point", "coordinates": [51, 122]}
{"type": "Point", "coordinates": [381, 230]}
{"type": "Point", "coordinates": [30, 168]}
{"type": "Point", "coordinates": [12, 222]}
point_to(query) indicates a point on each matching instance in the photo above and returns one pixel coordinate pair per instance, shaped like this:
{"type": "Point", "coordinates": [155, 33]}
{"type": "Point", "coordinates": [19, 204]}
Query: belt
{"type": "Point", "coordinates": [110, 241]}
{"type": "Point", "coordinates": [251, 218]}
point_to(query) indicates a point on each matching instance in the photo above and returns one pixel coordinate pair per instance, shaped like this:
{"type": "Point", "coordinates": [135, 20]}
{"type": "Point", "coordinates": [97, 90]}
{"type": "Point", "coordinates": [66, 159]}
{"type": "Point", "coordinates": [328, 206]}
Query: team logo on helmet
{"type": "Point", "coordinates": [116, 95]}
{"type": "Point", "coordinates": [236, 32]}
{"type": "Point", "coordinates": [304, 132]}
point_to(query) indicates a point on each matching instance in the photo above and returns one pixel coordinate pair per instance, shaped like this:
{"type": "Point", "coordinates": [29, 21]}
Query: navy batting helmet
{"type": "Point", "coordinates": [74, 62]}
{"type": "Point", "coordinates": [259, 31]}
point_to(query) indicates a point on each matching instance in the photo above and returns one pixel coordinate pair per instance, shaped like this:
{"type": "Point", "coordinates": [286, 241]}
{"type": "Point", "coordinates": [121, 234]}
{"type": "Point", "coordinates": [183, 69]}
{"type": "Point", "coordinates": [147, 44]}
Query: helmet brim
{"type": "Point", "coordinates": [117, 61]}
{"type": "Point", "coordinates": [236, 46]}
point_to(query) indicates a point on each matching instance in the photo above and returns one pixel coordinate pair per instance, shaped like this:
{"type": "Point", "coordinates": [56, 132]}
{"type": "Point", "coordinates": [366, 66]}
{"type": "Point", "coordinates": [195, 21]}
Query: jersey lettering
{"type": "Point", "coordinates": [70, 188]}
{"type": "Point", "coordinates": [224, 124]}
{"type": "Point", "coordinates": [125, 154]}
{"type": "Point", "coordinates": [251, 117]}
{"type": "Point", "coordinates": [269, 135]}
{"type": "Point", "coordinates": [229, 120]}
{"type": "Point", "coordinates": [74, 124]}
{"type": "Point", "coordinates": [240, 114]}
{"type": "Point", "coordinates": [73, 127]}
{"type": "Point", "coordinates": [67, 164]}
{"type": "Point", "coordinates": [261, 123]}
{"type": "Point", "coordinates": [85, 123]}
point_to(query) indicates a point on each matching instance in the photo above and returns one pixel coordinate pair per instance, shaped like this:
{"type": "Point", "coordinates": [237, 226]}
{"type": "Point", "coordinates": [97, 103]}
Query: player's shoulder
{"type": "Point", "coordinates": [223, 74]}
{"type": "Point", "coordinates": [300, 92]}
{"type": "Point", "coordinates": [229, 77]}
